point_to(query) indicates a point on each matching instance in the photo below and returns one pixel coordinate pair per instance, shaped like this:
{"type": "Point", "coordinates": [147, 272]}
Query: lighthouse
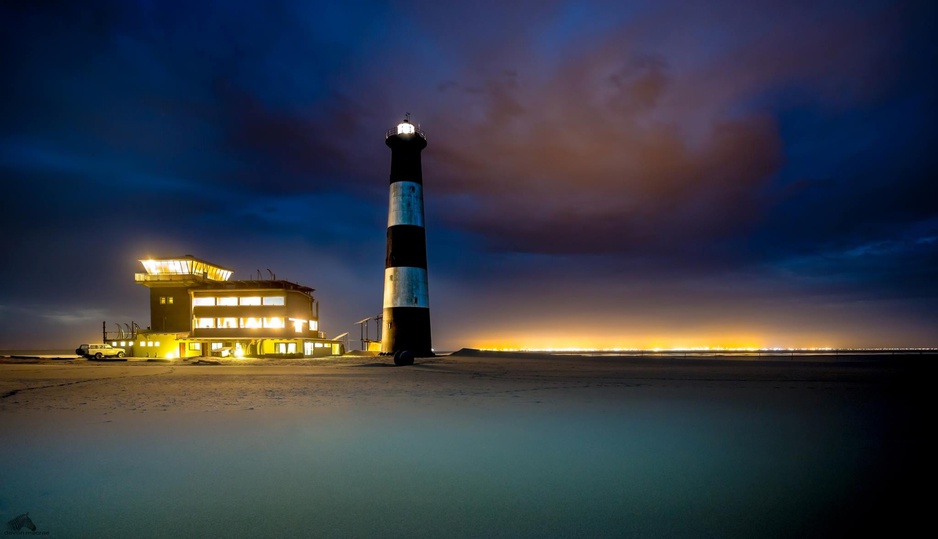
{"type": "Point", "coordinates": [406, 312]}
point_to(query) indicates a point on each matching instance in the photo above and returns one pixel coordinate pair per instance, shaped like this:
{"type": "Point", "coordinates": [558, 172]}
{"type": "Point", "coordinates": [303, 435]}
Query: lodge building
{"type": "Point", "coordinates": [196, 310]}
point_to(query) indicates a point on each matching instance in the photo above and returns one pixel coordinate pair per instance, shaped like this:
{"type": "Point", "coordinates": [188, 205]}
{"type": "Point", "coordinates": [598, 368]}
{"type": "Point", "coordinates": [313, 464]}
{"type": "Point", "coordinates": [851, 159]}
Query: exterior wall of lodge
{"type": "Point", "coordinates": [192, 316]}
{"type": "Point", "coordinates": [169, 308]}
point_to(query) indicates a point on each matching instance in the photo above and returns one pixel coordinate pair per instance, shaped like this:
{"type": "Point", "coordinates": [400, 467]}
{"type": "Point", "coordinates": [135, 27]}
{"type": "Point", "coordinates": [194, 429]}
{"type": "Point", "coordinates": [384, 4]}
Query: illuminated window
{"type": "Point", "coordinates": [162, 300]}
{"type": "Point", "coordinates": [228, 322]}
{"type": "Point", "coordinates": [123, 343]}
{"type": "Point", "coordinates": [169, 300]}
{"type": "Point", "coordinates": [195, 346]}
{"type": "Point", "coordinates": [113, 343]}
{"type": "Point", "coordinates": [251, 323]}
{"type": "Point", "coordinates": [185, 267]}
{"type": "Point", "coordinates": [157, 343]}
{"type": "Point", "coordinates": [298, 325]}
{"type": "Point", "coordinates": [274, 322]}
{"type": "Point", "coordinates": [319, 345]}
{"type": "Point", "coordinates": [273, 300]}
{"type": "Point", "coordinates": [204, 323]}
{"type": "Point", "coordinates": [228, 301]}
{"type": "Point", "coordinates": [250, 300]}
{"type": "Point", "coordinates": [291, 348]}
{"type": "Point", "coordinates": [216, 345]}
{"type": "Point", "coordinates": [314, 325]}
{"type": "Point", "coordinates": [143, 344]}
{"type": "Point", "coordinates": [203, 302]}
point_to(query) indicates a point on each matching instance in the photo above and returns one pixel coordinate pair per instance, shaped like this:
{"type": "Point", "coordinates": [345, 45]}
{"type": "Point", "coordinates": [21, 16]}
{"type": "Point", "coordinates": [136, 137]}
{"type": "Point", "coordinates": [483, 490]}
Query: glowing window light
{"type": "Point", "coordinates": [113, 343]}
{"type": "Point", "coordinates": [143, 344]}
{"type": "Point", "coordinates": [229, 301]}
{"type": "Point", "coordinates": [275, 322]}
{"type": "Point", "coordinates": [204, 323]}
{"type": "Point", "coordinates": [298, 325]}
{"type": "Point", "coordinates": [405, 128]}
{"type": "Point", "coordinates": [313, 325]}
{"type": "Point", "coordinates": [273, 300]}
{"type": "Point", "coordinates": [251, 323]}
{"type": "Point", "coordinates": [123, 343]}
{"type": "Point", "coordinates": [157, 343]}
{"type": "Point", "coordinates": [152, 266]}
{"type": "Point", "coordinates": [250, 300]}
{"type": "Point", "coordinates": [203, 302]}
{"type": "Point", "coordinates": [228, 322]}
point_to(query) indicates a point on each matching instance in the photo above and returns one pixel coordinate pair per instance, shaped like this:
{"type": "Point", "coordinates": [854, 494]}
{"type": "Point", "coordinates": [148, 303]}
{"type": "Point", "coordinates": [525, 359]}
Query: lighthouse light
{"type": "Point", "coordinates": [405, 128]}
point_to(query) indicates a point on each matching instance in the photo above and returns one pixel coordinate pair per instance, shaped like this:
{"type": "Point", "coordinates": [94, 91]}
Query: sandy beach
{"type": "Point", "coordinates": [467, 445]}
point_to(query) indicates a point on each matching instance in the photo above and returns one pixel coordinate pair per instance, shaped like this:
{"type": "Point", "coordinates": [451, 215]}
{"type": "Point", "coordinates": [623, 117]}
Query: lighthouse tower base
{"type": "Point", "coordinates": [406, 334]}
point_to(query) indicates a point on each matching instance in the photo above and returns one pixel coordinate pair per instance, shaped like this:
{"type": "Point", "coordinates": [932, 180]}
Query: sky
{"type": "Point", "coordinates": [598, 173]}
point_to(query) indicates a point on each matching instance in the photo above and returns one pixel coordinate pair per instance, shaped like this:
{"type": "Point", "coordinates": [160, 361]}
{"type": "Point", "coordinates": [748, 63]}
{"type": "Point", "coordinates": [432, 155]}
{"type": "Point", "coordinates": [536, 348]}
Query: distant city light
{"type": "Point", "coordinates": [700, 349]}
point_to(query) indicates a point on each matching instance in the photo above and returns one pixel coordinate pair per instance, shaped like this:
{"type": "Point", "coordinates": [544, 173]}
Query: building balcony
{"type": "Point", "coordinates": [167, 280]}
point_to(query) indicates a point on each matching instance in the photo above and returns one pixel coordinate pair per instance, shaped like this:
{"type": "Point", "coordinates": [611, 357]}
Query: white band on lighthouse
{"type": "Point", "coordinates": [405, 205]}
{"type": "Point", "coordinates": [405, 286]}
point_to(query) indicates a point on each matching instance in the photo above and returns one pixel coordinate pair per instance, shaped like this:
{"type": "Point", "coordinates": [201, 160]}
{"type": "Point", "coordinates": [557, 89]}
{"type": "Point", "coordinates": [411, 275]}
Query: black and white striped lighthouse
{"type": "Point", "coordinates": [406, 314]}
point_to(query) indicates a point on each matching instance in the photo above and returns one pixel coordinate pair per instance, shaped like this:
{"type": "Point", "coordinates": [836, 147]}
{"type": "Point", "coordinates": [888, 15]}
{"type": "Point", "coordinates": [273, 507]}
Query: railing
{"type": "Point", "coordinates": [145, 277]}
{"type": "Point", "coordinates": [417, 131]}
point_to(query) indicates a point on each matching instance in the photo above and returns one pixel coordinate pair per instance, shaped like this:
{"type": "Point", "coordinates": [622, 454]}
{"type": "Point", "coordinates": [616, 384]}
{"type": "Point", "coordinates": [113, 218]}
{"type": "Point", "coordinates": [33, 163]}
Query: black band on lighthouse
{"type": "Point", "coordinates": [407, 246]}
{"type": "Point", "coordinates": [407, 328]}
{"type": "Point", "coordinates": [405, 157]}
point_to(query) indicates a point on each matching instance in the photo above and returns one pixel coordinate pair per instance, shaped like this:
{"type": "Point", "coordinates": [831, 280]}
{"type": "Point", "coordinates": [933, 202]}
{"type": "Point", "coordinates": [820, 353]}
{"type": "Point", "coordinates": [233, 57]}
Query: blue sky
{"type": "Point", "coordinates": [598, 173]}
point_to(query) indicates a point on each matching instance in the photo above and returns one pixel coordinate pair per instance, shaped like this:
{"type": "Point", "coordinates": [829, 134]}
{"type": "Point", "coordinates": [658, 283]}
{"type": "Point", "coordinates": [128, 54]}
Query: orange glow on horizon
{"type": "Point", "coordinates": [573, 343]}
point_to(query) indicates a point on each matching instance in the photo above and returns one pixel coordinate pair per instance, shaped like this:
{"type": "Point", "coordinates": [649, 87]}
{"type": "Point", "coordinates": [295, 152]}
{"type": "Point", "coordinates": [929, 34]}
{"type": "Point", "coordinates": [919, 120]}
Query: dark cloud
{"type": "Point", "coordinates": [599, 179]}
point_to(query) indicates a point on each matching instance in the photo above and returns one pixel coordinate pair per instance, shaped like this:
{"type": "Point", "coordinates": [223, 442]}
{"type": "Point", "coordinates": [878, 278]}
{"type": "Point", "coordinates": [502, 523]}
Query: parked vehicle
{"type": "Point", "coordinates": [99, 351]}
